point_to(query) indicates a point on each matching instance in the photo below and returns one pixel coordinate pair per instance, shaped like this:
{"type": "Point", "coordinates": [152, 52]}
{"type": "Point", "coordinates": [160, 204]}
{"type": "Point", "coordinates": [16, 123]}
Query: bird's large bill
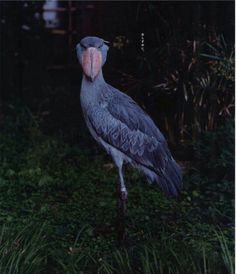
{"type": "Point", "coordinates": [91, 62]}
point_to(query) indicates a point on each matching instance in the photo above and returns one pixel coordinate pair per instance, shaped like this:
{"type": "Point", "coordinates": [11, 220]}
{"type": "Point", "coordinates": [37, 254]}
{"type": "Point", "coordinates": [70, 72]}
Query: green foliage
{"type": "Point", "coordinates": [187, 84]}
{"type": "Point", "coordinates": [31, 251]}
{"type": "Point", "coordinates": [169, 256]}
{"type": "Point", "coordinates": [22, 251]}
{"type": "Point", "coordinates": [214, 152]}
{"type": "Point", "coordinates": [222, 61]}
{"type": "Point", "coordinates": [58, 208]}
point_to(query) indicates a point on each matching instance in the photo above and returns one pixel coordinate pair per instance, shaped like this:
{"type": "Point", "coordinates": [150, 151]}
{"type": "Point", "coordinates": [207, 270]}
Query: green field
{"type": "Point", "coordinates": [58, 208]}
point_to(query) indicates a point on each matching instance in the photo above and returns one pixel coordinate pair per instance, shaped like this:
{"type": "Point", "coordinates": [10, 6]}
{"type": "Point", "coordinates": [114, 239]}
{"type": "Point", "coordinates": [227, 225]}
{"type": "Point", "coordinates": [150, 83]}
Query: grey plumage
{"type": "Point", "coordinates": [128, 133]}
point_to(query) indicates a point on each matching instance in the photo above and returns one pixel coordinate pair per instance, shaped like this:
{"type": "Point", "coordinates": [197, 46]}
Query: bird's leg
{"type": "Point", "coordinates": [122, 189]}
{"type": "Point", "coordinates": [122, 206]}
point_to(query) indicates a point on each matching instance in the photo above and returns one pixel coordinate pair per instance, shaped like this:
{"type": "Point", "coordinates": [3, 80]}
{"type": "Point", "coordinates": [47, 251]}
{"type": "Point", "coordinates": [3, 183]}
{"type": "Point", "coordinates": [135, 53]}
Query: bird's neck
{"type": "Point", "coordinates": [95, 84]}
{"type": "Point", "coordinates": [91, 90]}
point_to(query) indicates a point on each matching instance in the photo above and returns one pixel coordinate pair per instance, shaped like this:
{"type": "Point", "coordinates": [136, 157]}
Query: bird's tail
{"type": "Point", "coordinates": [171, 179]}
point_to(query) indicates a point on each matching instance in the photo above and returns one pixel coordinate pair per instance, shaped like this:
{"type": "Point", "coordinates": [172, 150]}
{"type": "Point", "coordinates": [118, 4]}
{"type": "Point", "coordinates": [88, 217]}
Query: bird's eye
{"type": "Point", "coordinates": [82, 46]}
{"type": "Point", "coordinates": [100, 46]}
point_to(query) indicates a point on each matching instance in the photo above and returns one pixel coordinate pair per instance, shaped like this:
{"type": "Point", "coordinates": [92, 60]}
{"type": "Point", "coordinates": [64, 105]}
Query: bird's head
{"type": "Point", "coordinates": [92, 54]}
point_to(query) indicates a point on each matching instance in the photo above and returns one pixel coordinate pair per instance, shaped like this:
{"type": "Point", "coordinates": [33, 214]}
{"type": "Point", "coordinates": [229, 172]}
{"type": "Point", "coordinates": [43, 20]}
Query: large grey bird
{"type": "Point", "coordinates": [123, 129]}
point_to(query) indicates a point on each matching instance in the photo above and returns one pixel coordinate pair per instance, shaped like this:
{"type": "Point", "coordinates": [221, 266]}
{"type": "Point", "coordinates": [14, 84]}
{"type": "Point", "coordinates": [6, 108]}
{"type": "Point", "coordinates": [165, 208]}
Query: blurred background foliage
{"type": "Point", "coordinates": [58, 201]}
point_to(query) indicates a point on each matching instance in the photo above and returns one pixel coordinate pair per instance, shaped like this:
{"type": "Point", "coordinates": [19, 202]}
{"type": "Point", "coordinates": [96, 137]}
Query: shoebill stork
{"type": "Point", "coordinates": [123, 128]}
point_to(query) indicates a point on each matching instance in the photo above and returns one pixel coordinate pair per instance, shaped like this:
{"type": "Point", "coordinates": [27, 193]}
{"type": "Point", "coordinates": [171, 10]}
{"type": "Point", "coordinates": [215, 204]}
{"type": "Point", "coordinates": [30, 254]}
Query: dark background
{"type": "Point", "coordinates": [39, 66]}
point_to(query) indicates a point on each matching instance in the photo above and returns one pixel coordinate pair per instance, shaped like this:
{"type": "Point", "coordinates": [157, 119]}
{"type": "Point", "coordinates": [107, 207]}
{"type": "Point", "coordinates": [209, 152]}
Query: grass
{"type": "Point", "coordinates": [23, 251]}
{"type": "Point", "coordinates": [58, 210]}
{"type": "Point", "coordinates": [29, 251]}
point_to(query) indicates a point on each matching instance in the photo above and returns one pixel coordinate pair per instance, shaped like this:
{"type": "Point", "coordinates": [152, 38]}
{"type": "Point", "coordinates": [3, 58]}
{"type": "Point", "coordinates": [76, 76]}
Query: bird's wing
{"type": "Point", "coordinates": [120, 122]}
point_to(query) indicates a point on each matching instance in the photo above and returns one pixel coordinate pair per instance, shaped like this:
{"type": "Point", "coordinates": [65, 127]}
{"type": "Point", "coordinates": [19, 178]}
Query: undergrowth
{"type": "Point", "coordinates": [58, 208]}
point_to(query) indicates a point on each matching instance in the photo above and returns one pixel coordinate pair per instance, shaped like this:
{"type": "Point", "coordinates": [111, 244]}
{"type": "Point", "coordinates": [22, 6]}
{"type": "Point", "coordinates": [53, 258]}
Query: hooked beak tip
{"type": "Point", "coordinates": [92, 78]}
